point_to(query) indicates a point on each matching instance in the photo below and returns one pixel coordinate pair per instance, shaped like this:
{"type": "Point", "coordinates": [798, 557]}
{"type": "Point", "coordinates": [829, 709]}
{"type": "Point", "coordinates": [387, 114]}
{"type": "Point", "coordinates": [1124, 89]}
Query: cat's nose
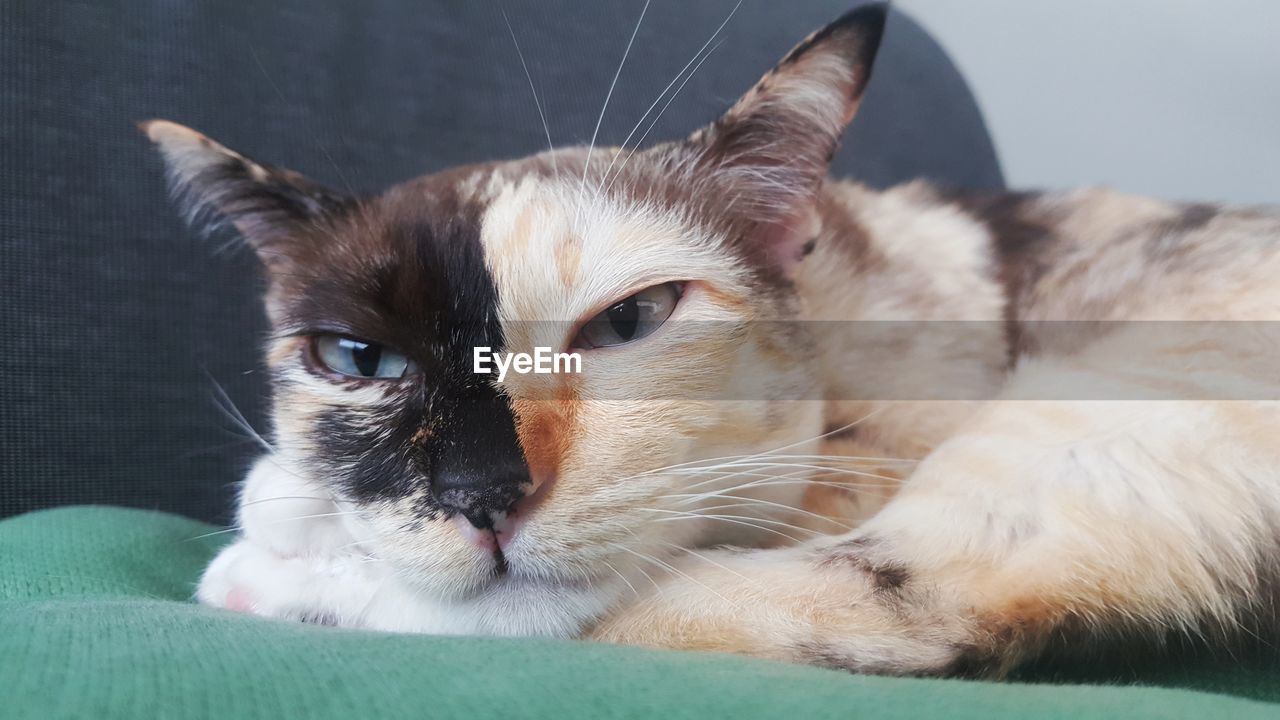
{"type": "Point", "coordinates": [493, 537]}
{"type": "Point", "coordinates": [475, 463]}
{"type": "Point", "coordinates": [494, 531]}
{"type": "Point", "coordinates": [480, 501]}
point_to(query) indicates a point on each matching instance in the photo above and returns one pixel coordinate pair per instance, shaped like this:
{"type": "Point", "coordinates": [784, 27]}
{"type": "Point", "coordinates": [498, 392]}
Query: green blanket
{"type": "Point", "coordinates": [96, 621]}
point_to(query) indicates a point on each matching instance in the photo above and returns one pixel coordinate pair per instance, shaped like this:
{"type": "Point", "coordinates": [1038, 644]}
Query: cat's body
{"type": "Point", "coordinates": [1087, 468]}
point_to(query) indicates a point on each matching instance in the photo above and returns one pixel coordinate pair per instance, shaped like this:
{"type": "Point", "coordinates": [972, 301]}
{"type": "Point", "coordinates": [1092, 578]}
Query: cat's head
{"type": "Point", "coordinates": [655, 266]}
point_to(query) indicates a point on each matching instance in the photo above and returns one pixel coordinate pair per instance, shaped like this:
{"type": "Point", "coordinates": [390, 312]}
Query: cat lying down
{"type": "Point", "coordinates": [739, 465]}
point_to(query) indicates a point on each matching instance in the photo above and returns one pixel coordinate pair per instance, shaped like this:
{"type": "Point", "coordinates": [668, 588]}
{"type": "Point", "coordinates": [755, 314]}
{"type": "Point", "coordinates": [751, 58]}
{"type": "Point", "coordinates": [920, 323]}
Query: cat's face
{"type": "Point", "coordinates": [656, 267]}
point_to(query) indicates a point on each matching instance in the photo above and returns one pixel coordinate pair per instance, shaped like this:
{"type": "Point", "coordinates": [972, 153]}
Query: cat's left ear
{"type": "Point", "coordinates": [272, 208]}
{"type": "Point", "coordinates": [770, 151]}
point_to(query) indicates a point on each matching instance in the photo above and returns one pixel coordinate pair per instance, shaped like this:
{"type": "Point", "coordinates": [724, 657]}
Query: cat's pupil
{"type": "Point", "coordinates": [366, 357]}
{"type": "Point", "coordinates": [624, 318]}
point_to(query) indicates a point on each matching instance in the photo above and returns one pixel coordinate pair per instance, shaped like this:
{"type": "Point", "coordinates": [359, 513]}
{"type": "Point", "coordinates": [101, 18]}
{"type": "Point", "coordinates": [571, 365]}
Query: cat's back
{"type": "Point", "coordinates": [1098, 254]}
{"type": "Point", "coordinates": [1087, 254]}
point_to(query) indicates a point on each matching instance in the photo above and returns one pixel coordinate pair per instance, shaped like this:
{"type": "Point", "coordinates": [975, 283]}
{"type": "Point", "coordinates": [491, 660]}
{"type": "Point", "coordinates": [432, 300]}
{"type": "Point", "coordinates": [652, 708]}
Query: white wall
{"type": "Point", "coordinates": [1173, 98]}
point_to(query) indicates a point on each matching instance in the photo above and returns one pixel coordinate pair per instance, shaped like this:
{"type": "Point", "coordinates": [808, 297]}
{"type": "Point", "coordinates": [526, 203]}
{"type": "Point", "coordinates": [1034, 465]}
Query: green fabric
{"type": "Point", "coordinates": [95, 621]}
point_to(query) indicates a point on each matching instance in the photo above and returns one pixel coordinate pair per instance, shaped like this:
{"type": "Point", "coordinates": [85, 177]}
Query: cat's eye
{"type": "Point", "coordinates": [630, 318]}
{"type": "Point", "coordinates": [360, 359]}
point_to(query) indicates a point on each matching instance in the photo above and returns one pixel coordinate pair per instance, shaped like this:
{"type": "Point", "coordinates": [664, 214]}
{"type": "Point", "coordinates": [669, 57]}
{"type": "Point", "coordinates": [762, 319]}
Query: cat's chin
{"type": "Point", "coordinates": [507, 606]}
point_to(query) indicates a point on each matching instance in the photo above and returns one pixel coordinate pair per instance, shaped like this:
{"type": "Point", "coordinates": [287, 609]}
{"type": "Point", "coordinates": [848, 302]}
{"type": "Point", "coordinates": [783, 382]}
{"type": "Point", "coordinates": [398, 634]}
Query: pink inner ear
{"type": "Point", "coordinates": [785, 239]}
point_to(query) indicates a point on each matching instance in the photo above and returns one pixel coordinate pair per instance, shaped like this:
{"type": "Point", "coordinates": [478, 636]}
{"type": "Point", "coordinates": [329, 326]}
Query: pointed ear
{"type": "Point", "coordinates": [268, 206]}
{"type": "Point", "coordinates": [771, 150]}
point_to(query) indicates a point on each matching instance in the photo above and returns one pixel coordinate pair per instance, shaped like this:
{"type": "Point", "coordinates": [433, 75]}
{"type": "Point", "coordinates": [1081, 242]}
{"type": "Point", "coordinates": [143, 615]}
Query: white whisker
{"type": "Point", "coordinates": [759, 465]}
{"type": "Point", "coordinates": [642, 571]}
{"type": "Point", "coordinates": [765, 453]}
{"type": "Point", "coordinates": [621, 576]}
{"type": "Point", "coordinates": [537, 103]}
{"type": "Point", "coordinates": [736, 519]}
{"type": "Point", "coordinates": [662, 94]}
{"type": "Point", "coordinates": [750, 501]}
{"type": "Point", "coordinates": [216, 532]}
{"type": "Point", "coordinates": [229, 410]}
{"type": "Point", "coordinates": [672, 569]}
{"type": "Point", "coordinates": [609, 96]}
{"type": "Point", "coordinates": [277, 522]}
{"type": "Point", "coordinates": [653, 123]}
{"type": "Point", "coordinates": [770, 480]}
{"type": "Point", "coordinates": [708, 560]}
{"type": "Point", "coordinates": [283, 497]}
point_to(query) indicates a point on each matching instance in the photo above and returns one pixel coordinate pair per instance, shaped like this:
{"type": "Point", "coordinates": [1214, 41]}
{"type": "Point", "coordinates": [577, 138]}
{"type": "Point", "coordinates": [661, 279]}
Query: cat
{"type": "Point", "coordinates": [971, 486]}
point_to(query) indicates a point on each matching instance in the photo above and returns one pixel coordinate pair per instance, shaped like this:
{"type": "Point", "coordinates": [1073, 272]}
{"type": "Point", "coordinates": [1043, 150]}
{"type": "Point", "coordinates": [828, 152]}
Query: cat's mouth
{"type": "Point", "coordinates": [503, 537]}
{"type": "Point", "coordinates": [500, 566]}
{"type": "Point", "coordinates": [506, 575]}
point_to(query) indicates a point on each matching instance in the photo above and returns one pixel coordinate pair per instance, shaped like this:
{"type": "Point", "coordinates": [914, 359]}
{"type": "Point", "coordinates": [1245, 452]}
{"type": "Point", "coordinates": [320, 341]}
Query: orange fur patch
{"type": "Point", "coordinates": [546, 430]}
{"type": "Point", "coordinates": [568, 258]}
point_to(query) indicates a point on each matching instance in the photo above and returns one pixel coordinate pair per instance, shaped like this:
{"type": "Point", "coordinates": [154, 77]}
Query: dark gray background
{"type": "Point", "coordinates": [117, 320]}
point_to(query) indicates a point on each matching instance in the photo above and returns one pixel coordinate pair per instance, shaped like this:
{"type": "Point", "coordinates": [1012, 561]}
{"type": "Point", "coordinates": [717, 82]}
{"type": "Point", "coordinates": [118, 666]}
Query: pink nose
{"type": "Point", "coordinates": [501, 530]}
{"type": "Point", "coordinates": [502, 526]}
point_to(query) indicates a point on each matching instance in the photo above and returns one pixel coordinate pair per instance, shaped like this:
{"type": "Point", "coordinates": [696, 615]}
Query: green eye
{"type": "Point", "coordinates": [360, 359]}
{"type": "Point", "coordinates": [630, 318]}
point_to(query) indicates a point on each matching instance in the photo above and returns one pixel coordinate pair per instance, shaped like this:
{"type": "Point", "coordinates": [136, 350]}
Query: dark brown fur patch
{"type": "Point", "coordinates": [887, 577]}
{"type": "Point", "coordinates": [824, 655]}
{"type": "Point", "coordinates": [1021, 237]}
{"type": "Point", "coordinates": [839, 431]}
{"type": "Point", "coordinates": [1195, 216]}
{"type": "Point", "coordinates": [1167, 241]}
{"type": "Point", "coordinates": [844, 232]}
{"type": "Point", "coordinates": [864, 27]}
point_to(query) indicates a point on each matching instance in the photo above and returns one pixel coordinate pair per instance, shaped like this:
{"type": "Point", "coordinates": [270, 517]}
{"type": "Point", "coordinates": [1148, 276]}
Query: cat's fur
{"type": "Point", "coordinates": [1029, 519]}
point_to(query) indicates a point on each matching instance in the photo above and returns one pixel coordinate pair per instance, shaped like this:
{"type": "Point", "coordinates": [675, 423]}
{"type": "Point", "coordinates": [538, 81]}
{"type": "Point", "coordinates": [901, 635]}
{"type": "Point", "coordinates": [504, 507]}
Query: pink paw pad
{"type": "Point", "coordinates": [239, 600]}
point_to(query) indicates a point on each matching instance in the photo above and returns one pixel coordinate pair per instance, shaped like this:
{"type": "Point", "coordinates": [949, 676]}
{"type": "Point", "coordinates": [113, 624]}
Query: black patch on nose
{"type": "Point", "coordinates": [424, 290]}
{"type": "Point", "coordinates": [475, 462]}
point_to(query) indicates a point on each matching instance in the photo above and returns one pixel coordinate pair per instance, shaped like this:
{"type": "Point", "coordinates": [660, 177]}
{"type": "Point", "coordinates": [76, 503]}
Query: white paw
{"type": "Point", "coordinates": [247, 578]}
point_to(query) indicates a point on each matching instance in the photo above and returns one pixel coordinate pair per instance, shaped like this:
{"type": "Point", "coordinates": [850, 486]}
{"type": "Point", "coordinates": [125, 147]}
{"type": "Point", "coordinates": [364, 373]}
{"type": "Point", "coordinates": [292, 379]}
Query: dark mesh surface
{"type": "Point", "coordinates": [117, 321]}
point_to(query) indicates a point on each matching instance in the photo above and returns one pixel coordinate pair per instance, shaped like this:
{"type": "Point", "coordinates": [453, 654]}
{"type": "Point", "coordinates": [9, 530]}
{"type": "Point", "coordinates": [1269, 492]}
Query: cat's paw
{"type": "Point", "coordinates": [834, 607]}
{"type": "Point", "coordinates": [247, 578]}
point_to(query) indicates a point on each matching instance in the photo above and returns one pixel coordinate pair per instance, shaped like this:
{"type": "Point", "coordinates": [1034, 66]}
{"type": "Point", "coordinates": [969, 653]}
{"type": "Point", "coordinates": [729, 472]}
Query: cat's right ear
{"type": "Point", "coordinates": [268, 206]}
{"type": "Point", "coordinates": [766, 156]}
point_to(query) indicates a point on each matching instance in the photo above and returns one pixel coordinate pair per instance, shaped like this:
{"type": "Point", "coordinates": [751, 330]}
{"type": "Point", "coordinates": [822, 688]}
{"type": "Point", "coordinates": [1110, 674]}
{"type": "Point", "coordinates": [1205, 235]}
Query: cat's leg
{"type": "Point", "coordinates": [1042, 519]}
